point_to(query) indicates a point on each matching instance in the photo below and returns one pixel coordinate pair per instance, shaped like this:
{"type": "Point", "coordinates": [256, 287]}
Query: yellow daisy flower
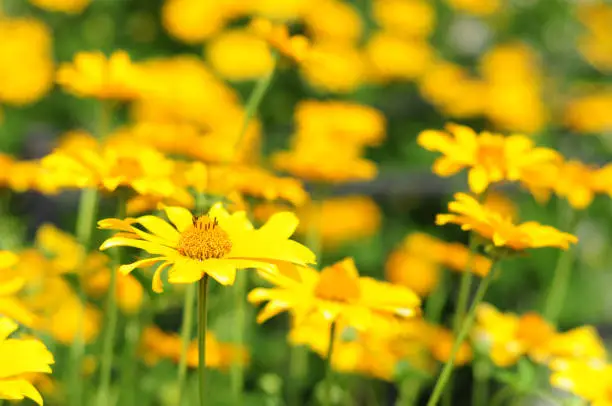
{"type": "Point", "coordinates": [501, 231]}
{"type": "Point", "coordinates": [215, 244]}
{"type": "Point", "coordinates": [19, 357]}
{"type": "Point", "coordinates": [296, 47]}
{"type": "Point", "coordinates": [490, 157]}
{"type": "Point", "coordinates": [337, 292]}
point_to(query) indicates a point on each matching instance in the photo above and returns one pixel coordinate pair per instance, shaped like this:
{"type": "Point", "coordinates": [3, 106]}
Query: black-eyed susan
{"type": "Point", "coordinates": [490, 157]}
{"type": "Point", "coordinates": [337, 293]}
{"type": "Point", "coordinates": [501, 231]}
{"type": "Point", "coordinates": [20, 356]}
{"type": "Point", "coordinates": [216, 244]}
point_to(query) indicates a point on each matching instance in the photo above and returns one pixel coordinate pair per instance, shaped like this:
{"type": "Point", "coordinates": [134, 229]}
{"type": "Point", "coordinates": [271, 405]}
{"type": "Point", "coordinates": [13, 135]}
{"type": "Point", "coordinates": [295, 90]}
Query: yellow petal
{"type": "Point", "coordinates": [158, 285]}
{"type": "Point", "coordinates": [221, 270]}
{"type": "Point", "coordinates": [147, 246]}
{"type": "Point", "coordinates": [280, 225]}
{"type": "Point", "coordinates": [478, 180]}
{"type": "Point", "coordinates": [8, 259]}
{"type": "Point", "coordinates": [126, 269]}
{"type": "Point", "coordinates": [261, 248]}
{"type": "Point", "coordinates": [17, 389]}
{"type": "Point", "coordinates": [7, 327]}
{"type": "Point", "coordinates": [270, 310]}
{"type": "Point", "coordinates": [185, 271]}
{"type": "Point", "coordinates": [159, 227]}
{"type": "Point", "coordinates": [179, 216]}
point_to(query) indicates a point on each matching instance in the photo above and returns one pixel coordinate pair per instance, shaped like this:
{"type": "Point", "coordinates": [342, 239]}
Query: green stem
{"type": "Point", "coordinates": [130, 383]}
{"type": "Point", "coordinates": [108, 338]}
{"type": "Point", "coordinates": [237, 369]}
{"type": "Point", "coordinates": [255, 100]}
{"type": "Point", "coordinates": [202, 297]}
{"type": "Point", "coordinates": [87, 211]}
{"type": "Point", "coordinates": [463, 332]}
{"type": "Point", "coordinates": [186, 329]}
{"type": "Point", "coordinates": [329, 371]}
{"type": "Point", "coordinates": [561, 278]}
{"type": "Point", "coordinates": [435, 302]}
{"type": "Point", "coordinates": [480, 391]}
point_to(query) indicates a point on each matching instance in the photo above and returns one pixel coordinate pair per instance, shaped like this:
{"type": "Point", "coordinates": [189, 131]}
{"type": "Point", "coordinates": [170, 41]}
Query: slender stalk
{"type": "Point", "coordinates": [255, 100]}
{"type": "Point", "coordinates": [329, 372]}
{"type": "Point", "coordinates": [106, 363]}
{"type": "Point", "coordinates": [88, 207]}
{"type": "Point", "coordinates": [480, 390]}
{"type": "Point", "coordinates": [237, 369]}
{"type": "Point", "coordinates": [202, 298]}
{"type": "Point", "coordinates": [502, 395]}
{"type": "Point", "coordinates": [186, 329]}
{"type": "Point", "coordinates": [463, 332]}
{"type": "Point", "coordinates": [129, 369]}
{"type": "Point", "coordinates": [435, 302]}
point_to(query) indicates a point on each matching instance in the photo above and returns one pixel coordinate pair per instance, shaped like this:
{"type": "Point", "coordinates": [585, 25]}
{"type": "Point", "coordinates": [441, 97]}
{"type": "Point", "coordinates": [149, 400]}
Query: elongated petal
{"type": "Point", "coordinates": [147, 246]}
{"type": "Point", "coordinates": [158, 286]}
{"type": "Point", "coordinates": [143, 263]}
{"type": "Point", "coordinates": [159, 227]}
{"type": "Point", "coordinates": [17, 389]}
{"type": "Point", "coordinates": [260, 247]}
{"type": "Point", "coordinates": [17, 310]}
{"type": "Point", "coordinates": [271, 309]}
{"type": "Point", "coordinates": [280, 225]}
{"type": "Point", "coordinates": [179, 216]}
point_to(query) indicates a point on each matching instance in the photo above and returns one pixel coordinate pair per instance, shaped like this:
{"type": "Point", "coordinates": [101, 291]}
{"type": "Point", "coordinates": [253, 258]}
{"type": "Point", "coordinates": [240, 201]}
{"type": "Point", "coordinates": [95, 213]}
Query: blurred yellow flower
{"type": "Point", "coordinates": [280, 9]}
{"type": "Point", "coordinates": [26, 60]}
{"type": "Point", "coordinates": [582, 343]}
{"type": "Point", "coordinates": [296, 47]}
{"type": "Point", "coordinates": [65, 6]}
{"type": "Point", "coordinates": [19, 356]}
{"type": "Point", "coordinates": [239, 55]}
{"type": "Point", "coordinates": [476, 7]}
{"type": "Point", "coordinates": [589, 380]}
{"type": "Point", "coordinates": [72, 318]}
{"type": "Point", "coordinates": [216, 244]}
{"type": "Point", "coordinates": [194, 21]}
{"type": "Point", "coordinates": [595, 43]}
{"type": "Point", "coordinates": [490, 157]}
{"type": "Point", "coordinates": [336, 293]}
{"type": "Point", "coordinates": [416, 273]}
{"type": "Point", "coordinates": [500, 203]}
{"type": "Point", "coordinates": [92, 74]}
{"type": "Point", "coordinates": [405, 18]}
{"type": "Point", "coordinates": [396, 58]}
{"type": "Point", "coordinates": [340, 219]}
{"type": "Point", "coordinates": [157, 344]}
{"type": "Point", "coordinates": [589, 112]}
{"type": "Point", "coordinates": [507, 337]}
{"type": "Point", "coordinates": [12, 285]}
{"type": "Point", "coordinates": [334, 21]}
{"type": "Point", "coordinates": [63, 251]}
{"type": "Point", "coordinates": [440, 342]}
{"type": "Point", "coordinates": [502, 232]}
{"type": "Point", "coordinates": [335, 68]}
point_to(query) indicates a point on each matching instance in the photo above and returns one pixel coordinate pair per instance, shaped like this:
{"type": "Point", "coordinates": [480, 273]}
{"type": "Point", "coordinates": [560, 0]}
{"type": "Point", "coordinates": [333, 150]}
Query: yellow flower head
{"type": "Point", "coordinates": [414, 272]}
{"type": "Point", "coordinates": [65, 6]}
{"type": "Point", "coordinates": [588, 112]}
{"type": "Point", "coordinates": [405, 18]}
{"type": "Point", "coordinates": [12, 286]}
{"type": "Point", "coordinates": [581, 343]}
{"type": "Point", "coordinates": [92, 74]}
{"type": "Point", "coordinates": [595, 43]}
{"type": "Point", "coordinates": [26, 60]}
{"type": "Point", "coordinates": [157, 344]}
{"type": "Point", "coordinates": [215, 244]}
{"type": "Point", "coordinates": [194, 21]}
{"type": "Point", "coordinates": [334, 67]}
{"type": "Point", "coordinates": [440, 342]}
{"type": "Point", "coordinates": [502, 232]}
{"type": "Point", "coordinates": [20, 356]}
{"type": "Point", "coordinates": [395, 58]}
{"type": "Point", "coordinates": [476, 7]}
{"type": "Point", "coordinates": [507, 336]}
{"type": "Point", "coordinates": [336, 293]}
{"type": "Point", "coordinates": [296, 48]}
{"type": "Point", "coordinates": [489, 157]}
{"type": "Point", "coordinates": [62, 249]}
{"type": "Point", "coordinates": [334, 21]}
{"type": "Point", "coordinates": [589, 380]}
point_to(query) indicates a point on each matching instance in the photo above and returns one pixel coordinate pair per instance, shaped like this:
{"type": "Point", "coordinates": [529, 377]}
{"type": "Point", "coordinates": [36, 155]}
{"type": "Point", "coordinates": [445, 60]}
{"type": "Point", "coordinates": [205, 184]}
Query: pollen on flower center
{"type": "Point", "coordinates": [204, 239]}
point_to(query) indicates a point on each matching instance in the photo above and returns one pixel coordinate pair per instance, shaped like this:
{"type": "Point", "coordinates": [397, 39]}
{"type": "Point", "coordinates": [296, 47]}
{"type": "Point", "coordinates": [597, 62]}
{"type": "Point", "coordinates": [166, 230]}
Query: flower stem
{"type": "Point", "coordinates": [561, 275]}
{"type": "Point", "coordinates": [88, 207]}
{"type": "Point", "coordinates": [186, 329]}
{"type": "Point", "coordinates": [255, 99]}
{"type": "Point", "coordinates": [202, 298]}
{"type": "Point", "coordinates": [237, 369]}
{"type": "Point", "coordinates": [108, 338]}
{"type": "Point", "coordinates": [329, 372]}
{"type": "Point", "coordinates": [480, 391]}
{"type": "Point", "coordinates": [466, 325]}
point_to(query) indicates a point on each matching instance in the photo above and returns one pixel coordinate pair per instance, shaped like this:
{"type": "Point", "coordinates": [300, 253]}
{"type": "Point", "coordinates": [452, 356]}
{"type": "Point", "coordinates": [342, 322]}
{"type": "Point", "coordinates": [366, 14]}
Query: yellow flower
{"type": "Point", "coordinates": [19, 356]}
{"type": "Point", "coordinates": [157, 344]}
{"type": "Point", "coordinates": [336, 293]}
{"type": "Point", "coordinates": [194, 21]}
{"type": "Point", "coordinates": [595, 43]}
{"type": "Point", "coordinates": [26, 60]}
{"type": "Point", "coordinates": [70, 318]}
{"type": "Point", "coordinates": [416, 273]}
{"type": "Point", "coordinates": [440, 342]}
{"type": "Point", "coordinates": [341, 219]}
{"type": "Point", "coordinates": [239, 55]}
{"type": "Point", "coordinates": [279, 9]}
{"type": "Point", "coordinates": [405, 18]}
{"type": "Point", "coordinates": [62, 249]}
{"type": "Point", "coordinates": [581, 343]}
{"type": "Point", "coordinates": [66, 6]}
{"type": "Point", "coordinates": [589, 380]}
{"type": "Point", "coordinates": [476, 7]}
{"type": "Point", "coordinates": [588, 112]}
{"type": "Point", "coordinates": [92, 74]}
{"type": "Point", "coordinates": [490, 157]}
{"type": "Point", "coordinates": [296, 47]}
{"type": "Point", "coordinates": [12, 286]}
{"type": "Point", "coordinates": [334, 21]}
{"type": "Point", "coordinates": [215, 244]}
{"type": "Point", "coordinates": [500, 203]}
{"type": "Point", "coordinates": [334, 67]}
{"type": "Point", "coordinates": [502, 232]}
{"type": "Point", "coordinates": [507, 336]}
{"type": "Point", "coordinates": [396, 58]}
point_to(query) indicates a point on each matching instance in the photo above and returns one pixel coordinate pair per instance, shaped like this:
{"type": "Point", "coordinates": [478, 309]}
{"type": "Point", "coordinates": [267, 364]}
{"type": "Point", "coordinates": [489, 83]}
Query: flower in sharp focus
{"type": "Point", "coordinates": [92, 74]}
{"type": "Point", "coordinates": [501, 231]}
{"type": "Point", "coordinates": [19, 356]}
{"type": "Point", "coordinates": [336, 293]}
{"type": "Point", "coordinates": [489, 157]}
{"type": "Point", "coordinates": [216, 244]}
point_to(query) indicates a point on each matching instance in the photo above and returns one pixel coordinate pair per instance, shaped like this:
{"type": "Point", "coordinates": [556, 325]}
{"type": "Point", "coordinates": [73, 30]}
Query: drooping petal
{"type": "Point", "coordinates": [179, 216]}
{"type": "Point", "coordinates": [147, 246]}
{"type": "Point", "coordinates": [158, 286]}
{"type": "Point", "coordinates": [271, 309]}
{"type": "Point", "coordinates": [17, 389]}
{"type": "Point", "coordinates": [143, 263]}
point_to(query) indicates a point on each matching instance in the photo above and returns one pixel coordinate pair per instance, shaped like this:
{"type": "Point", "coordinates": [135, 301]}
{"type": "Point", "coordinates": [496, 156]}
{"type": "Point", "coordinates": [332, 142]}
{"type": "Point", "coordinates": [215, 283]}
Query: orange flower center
{"type": "Point", "coordinates": [491, 155]}
{"type": "Point", "coordinates": [204, 239]}
{"type": "Point", "coordinates": [337, 285]}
